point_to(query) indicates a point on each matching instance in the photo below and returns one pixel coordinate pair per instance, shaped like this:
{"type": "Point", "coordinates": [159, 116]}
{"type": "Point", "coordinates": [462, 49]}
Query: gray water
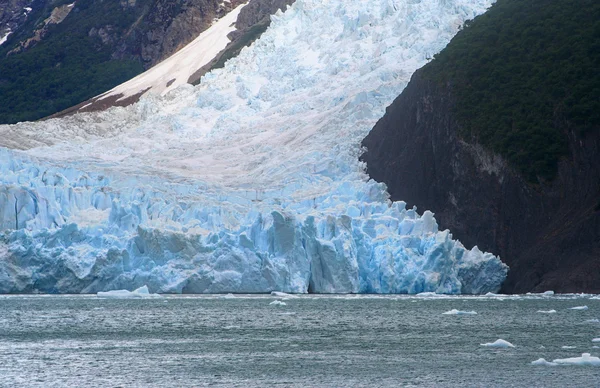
{"type": "Point", "coordinates": [313, 341]}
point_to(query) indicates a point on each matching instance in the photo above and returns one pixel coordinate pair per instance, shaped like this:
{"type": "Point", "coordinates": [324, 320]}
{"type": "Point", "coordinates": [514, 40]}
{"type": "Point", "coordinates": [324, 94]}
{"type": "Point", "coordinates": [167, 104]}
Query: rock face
{"type": "Point", "coordinates": [549, 235]}
{"type": "Point", "coordinates": [13, 13]}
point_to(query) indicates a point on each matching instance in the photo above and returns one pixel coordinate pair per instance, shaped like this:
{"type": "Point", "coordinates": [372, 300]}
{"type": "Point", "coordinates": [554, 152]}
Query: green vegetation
{"type": "Point", "coordinates": [68, 66]}
{"type": "Point", "coordinates": [522, 73]}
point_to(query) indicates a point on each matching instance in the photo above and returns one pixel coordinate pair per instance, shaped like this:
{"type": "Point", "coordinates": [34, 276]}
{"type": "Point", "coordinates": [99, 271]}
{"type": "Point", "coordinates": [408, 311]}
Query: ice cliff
{"type": "Point", "coordinates": [249, 182]}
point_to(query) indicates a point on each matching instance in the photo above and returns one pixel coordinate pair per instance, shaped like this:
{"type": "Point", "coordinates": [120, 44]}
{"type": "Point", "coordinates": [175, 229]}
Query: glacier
{"type": "Point", "coordinates": [247, 183]}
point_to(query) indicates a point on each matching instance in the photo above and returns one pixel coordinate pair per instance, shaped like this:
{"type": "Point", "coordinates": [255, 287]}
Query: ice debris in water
{"type": "Point", "coordinates": [282, 295]}
{"type": "Point", "coordinates": [568, 347]}
{"type": "Point", "coordinates": [141, 292]}
{"type": "Point", "coordinates": [543, 362]}
{"type": "Point", "coordinates": [547, 311]}
{"type": "Point", "coordinates": [585, 359]}
{"type": "Point", "coordinates": [277, 303]}
{"type": "Point", "coordinates": [548, 293]}
{"type": "Point", "coordinates": [579, 308]}
{"type": "Point", "coordinates": [459, 312]}
{"type": "Point", "coordinates": [228, 296]}
{"type": "Point", "coordinates": [596, 340]}
{"type": "Point", "coordinates": [593, 320]}
{"type": "Point", "coordinates": [499, 343]}
{"type": "Point", "coordinates": [248, 183]}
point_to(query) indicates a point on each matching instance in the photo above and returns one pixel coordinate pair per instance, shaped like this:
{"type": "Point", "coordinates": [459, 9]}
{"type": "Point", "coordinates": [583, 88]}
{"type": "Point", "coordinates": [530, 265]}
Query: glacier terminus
{"type": "Point", "coordinates": [250, 182]}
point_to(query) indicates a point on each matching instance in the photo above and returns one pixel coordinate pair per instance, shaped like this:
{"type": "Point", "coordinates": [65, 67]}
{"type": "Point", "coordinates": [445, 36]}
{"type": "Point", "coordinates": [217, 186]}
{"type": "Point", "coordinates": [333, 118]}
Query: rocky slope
{"type": "Point", "coordinates": [64, 52]}
{"type": "Point", "coordinates": [547, 232]}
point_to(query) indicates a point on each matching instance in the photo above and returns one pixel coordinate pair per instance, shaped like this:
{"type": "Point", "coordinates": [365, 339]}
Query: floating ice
{"type": "Point", "coordinates": [592, 320]}
{"type": "Point", "coordinates": [585, 359]}
{"type": "Point", "coordinates": [596, 340]}
{"type": "Point", "coordinates": [141, 292]}
{"type": "Point", "coordinates": [277, 303]}
{"type": "Point", "coordinates": [458, 312]}
{"type": "Point", "coordinates": [248, 183]}
{"type": "Point", "coordinates": [547, 311]}
{"type": "Point", "coordinates": [282, 295]}
{"type": "Point", "coordinates": [228, 296]}
{"type": "Point", "coordinates": [579, 308]}
{"type": "Point", "coordinates": [499, 343]}
{"type": "Point", "coordinates": [548, 293]}
{"type": "Point", "coordinates": [568, 347]}
{"type": "Point", "coordinates": [543, 362]}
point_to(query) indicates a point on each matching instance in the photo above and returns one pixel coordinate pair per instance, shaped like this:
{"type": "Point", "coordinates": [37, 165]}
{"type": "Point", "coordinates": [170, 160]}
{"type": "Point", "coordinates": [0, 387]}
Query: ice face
{"type": "Point", "coordinates": [249, 182]}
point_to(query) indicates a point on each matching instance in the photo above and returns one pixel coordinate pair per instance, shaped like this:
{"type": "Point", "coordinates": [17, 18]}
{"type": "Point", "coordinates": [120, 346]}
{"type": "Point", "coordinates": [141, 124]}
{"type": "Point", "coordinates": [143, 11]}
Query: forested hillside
{"type": "Point", "coordinates": [519, 72]}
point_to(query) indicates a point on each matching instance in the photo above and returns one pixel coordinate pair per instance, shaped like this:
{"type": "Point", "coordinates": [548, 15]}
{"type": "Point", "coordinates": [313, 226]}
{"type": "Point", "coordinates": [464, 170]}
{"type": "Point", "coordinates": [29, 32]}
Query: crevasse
{"type": "Point", "coordinates": [249, 182]}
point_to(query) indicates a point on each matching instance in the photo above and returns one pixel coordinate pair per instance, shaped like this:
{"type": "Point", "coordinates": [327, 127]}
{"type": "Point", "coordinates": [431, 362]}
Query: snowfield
{"type": "Point", "coordinates": [249, 182]}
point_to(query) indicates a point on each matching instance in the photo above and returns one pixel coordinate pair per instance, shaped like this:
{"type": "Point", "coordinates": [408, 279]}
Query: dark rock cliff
{"type": "Point", "coordinates": [549, 234]}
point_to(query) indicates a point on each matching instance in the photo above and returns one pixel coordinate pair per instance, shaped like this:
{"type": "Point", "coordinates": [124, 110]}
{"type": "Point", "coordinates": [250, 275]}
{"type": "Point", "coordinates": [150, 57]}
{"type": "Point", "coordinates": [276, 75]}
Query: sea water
{"type": "Point", "coordinates": [306, 341]}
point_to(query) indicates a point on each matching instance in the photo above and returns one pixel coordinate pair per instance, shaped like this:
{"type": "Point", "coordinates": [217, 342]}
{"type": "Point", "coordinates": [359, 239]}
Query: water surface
{"type": "Point", "coordinates": [312, 341]}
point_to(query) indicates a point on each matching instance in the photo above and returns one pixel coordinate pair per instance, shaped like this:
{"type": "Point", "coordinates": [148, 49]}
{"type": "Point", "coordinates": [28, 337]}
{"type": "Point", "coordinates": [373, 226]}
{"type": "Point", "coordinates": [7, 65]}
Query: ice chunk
{"type": "Point", "coordinates": [543, 362]}
{"type": "Point", "coordinates": [593, 320]}
{"type": "Point", "coordinates": [548, 293]}
{"type": "Point", "coordinates": [578, 308]}
{"type": "Point", "coordinates": [277, 303]}
{"type": "Point", "coordinates": [585, 359]}
{"type": "Point", "coordinates": [282, 295]}
{"type": "Point", "coordinates": [228, 296]}
{"type": "Point", "coordinates": [459, 312]}
{"type": "Point", "coordinates": [141, 292]}
{"type": "Point", "coordinates": [568, 347]}
{"type": "Point", "coordinates": [499, 343]}
{"type": "Point", "coordinates": [596, 340]}
{"type": "Point", "coordinates": [547, 311]}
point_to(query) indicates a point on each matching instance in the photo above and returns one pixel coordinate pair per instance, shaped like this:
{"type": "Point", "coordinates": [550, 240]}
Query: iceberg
{"type": "Point", "coordinates": [547, 311]}
{"type": "Point", "coordinates": [247, 183]}
{"type": "Point", "coordinates": [458, 312]}
{"type": "Point", "coordinates": [277, 303]}
{"type": "Point", "coordinates": [499, 343]}
{"type": "Point", "coordinates": [596, 339]}
{"type": "Point", "coordinates": [585, 359]}
{"type": "Point", "coordinates": [141, 292]}
{"type": "Point", "coordinates": [543, 362]}
{"type": "Point", "coordinates": [578, 308]}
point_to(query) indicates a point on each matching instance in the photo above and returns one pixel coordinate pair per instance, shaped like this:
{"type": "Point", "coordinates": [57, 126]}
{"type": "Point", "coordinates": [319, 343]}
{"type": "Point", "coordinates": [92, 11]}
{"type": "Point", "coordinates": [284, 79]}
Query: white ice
{"type": "Point", "coordinates": [277, 303]}
{"type": "Point", "coordinates": [593, 321]}
{"type": "Point", "coordinates": [141, 292]}
{"type": "Point", "coordinates": [499, 343]}
{"type": "Point", "coordinates": [458, 312]}
{"type": "Point", "coordinates": [547, 311]}
{"type": "Point", "coordinates": [248, 183]}
{"type": "Point", "coordinates": [596, 340]}
{"type": "Point", "coordinates": [579, 308]}
{"type": "Point", "coordinates": [543, 362]}
{"type": "Point", "coordinates": [585, 359]}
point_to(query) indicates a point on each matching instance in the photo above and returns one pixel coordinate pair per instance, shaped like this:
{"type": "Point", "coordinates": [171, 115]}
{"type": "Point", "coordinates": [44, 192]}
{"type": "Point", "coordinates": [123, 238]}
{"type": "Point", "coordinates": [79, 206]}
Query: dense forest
{"type": "Point", "coordinates": [523, 74]}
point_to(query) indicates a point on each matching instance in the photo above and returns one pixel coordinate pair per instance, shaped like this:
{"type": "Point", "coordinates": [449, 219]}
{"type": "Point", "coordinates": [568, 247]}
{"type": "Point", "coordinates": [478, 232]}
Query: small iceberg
{"type": "Point", "coordinates": [228, 296]}
{"type": "Point", "coordinates": [593, 321]}
{"type": "Point", "coordinates": [568, 347]}
{"type": "Point", "coordinates": [499, 343]}
{"type": "Point", "coordinates": [458, 312]}
{"type": "Point", "coordinates": [596, 340]}
{"type": "Point", "coordinates": [492, 295]}
{"type": "Point", "coordinates": [543, 362]}
{"type": "Point", "coordinates": [277, 303]}
{"type": "Point", "coordinates": [138, 293]}
{"type": "Point", "coordinates": [547, 311]}
{"type": "Point", "coordinates": [282, 294]}
{"type": "Point", "coordinates": [585, 359]}
{"type": "Point", "coordinates": [548, 293]}
{"type": "Point", "coordinates": [579, 308]}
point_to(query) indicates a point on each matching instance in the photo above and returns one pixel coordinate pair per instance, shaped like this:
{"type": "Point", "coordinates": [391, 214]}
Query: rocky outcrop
{"type": "Point", "coordinates": [549, 234]}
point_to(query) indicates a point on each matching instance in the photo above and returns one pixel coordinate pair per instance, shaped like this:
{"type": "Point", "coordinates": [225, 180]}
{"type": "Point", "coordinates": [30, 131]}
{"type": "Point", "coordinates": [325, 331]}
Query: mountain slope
{"type": "Point", "coordinates": [249, 182]}
{"type": "Point", "coordinates": [68, 51]}
{"type": "Point", "coordinates": [502, 141]}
